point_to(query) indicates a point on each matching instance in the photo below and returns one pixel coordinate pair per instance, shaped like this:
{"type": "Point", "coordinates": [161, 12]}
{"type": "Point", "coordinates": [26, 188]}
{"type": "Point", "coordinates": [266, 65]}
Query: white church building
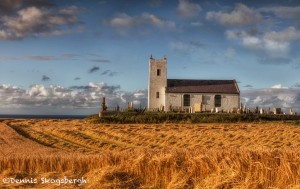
{"type": "Point", "coordinates": [186, 94]}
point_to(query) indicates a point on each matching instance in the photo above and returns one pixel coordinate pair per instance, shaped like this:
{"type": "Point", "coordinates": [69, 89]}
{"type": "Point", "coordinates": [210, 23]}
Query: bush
{"type": "Point", "coordinates": [171, 117]}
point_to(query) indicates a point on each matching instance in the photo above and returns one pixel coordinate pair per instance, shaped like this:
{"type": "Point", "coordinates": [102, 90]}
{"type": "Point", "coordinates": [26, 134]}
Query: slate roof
{"type": "Point", "coordinates": [202, 86]}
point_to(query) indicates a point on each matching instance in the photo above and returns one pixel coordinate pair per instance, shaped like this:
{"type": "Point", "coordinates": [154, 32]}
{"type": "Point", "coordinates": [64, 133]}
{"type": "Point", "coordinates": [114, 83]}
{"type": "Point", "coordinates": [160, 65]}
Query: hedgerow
{"type": "Point", "coordinates": [159, 117]}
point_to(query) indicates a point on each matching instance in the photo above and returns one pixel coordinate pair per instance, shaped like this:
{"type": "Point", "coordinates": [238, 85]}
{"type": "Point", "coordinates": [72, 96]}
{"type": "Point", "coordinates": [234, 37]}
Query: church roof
{"type": "Point", "coordinates": [202, 86]}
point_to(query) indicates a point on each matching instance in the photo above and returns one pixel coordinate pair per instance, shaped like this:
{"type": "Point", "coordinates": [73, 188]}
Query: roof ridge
{"type": "Point", "coordinates": [204, 79]}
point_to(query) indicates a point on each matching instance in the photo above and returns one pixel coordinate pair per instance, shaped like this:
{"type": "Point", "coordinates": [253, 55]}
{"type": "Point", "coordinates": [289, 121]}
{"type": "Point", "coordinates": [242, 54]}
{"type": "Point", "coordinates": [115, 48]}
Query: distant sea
{"type": "Point", "coordinates": [42, 116]}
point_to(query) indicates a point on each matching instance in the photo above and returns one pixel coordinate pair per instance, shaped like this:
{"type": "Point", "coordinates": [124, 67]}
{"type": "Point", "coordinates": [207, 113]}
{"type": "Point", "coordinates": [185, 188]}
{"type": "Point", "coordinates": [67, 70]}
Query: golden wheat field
{"type": "Point", "coordinates": [149, 156]}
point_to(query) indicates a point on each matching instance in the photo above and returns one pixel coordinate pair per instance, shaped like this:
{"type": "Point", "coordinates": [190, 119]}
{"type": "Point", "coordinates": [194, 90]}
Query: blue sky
{"type": "Point", "coordinates": [62, 57]}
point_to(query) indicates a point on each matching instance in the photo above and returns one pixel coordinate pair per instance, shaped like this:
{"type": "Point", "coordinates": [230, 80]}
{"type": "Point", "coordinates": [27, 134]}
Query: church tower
{"type": "Point", "coordinates": [157, 82]}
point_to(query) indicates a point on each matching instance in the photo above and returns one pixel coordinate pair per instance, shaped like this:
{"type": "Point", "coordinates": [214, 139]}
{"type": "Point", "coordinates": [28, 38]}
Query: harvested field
{"type": "Point", "coordinates": [215, 155]}
{"type": "Point", "coordinates": [80, 136]}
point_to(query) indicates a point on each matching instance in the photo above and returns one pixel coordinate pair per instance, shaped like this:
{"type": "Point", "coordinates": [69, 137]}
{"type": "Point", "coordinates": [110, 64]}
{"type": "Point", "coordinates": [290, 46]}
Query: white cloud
{"type": "Point", "coordinates": [276, 49]}
{"type": "Point", "coordinates": [188, 9]}
{"type": "Point", "coordinates": [286, 35]}
{"type": "Point", "coordinates": [123, 20]}
{"type": "Point", "coordinates": [155, 21]}
{"type": "Point", "coordinates": [283, 11]}
{"type": "Point", "coordinates": [57, 97]}
{"type": "Point", "coordinates": [240, 16]}
{"type": "Point", "coordinates": [257, 100]}
{"type": "Point", "coordinates": [37, 91]}
{"type": "Point", "coordinates": [33, 21]}
{"type": "Point", "coordinates": [126, 22]}
{"type": "Point", "coordinates": [277, 96]}
{"type": "Point", "coordinates": [251, 42]}
{"type": "Point", "coordinates": [273, 44]}
{"type": "Point", "coordinates": [278, 86]}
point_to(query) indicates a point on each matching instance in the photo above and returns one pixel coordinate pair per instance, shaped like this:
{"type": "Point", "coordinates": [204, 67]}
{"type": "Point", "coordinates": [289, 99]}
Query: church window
{"type": "Point", "coordinates": [157, 94]}
{"type": "Point", "coordinates": [158, 72]}
{"type": "Point", "coordinates": [186, 100]}
{"type": "Point", "coordinates": [218, 101]}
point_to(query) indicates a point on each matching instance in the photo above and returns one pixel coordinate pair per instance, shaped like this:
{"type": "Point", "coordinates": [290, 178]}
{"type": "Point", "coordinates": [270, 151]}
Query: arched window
{"type": "Point", "coordinates": [186, 100]}
{"type": "Point", "coordinates": [218, 100]}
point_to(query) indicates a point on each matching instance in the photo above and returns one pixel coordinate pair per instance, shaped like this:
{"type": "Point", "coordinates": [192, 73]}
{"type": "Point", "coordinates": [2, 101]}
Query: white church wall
{"type": "Point", "coordinates": [228, 101]}
{"type": "Point", "coordinates": [174, 99]}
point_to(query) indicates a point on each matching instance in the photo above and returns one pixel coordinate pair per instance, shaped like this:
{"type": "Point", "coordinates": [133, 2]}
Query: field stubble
{"type": "Point", "coordinates": [234, 155]}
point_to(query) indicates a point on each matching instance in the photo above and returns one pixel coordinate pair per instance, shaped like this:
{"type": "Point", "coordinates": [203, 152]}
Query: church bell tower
{"type": "Point", "coordinates": [157, 82]}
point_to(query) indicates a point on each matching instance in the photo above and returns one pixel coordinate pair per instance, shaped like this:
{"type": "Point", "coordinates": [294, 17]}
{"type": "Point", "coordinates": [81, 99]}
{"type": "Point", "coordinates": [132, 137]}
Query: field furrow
{"type": "Point", "coordinates": [73, 136]}
{"type": "Point", "coordinates": [214, 155]}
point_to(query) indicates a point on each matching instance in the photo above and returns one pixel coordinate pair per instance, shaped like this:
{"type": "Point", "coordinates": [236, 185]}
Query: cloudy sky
{"type": "Point", "coordinates": [63, 56]}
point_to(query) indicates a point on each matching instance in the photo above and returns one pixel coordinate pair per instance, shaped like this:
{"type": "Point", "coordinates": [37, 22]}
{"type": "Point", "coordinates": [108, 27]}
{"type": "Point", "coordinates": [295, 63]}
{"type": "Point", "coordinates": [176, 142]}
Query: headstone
{"type": "Point", "coordinates": [197, 107]}
{"type": "Point", "coordinates": [277, 110]}
{"type": "Point", "coordinates": [192, 110]}
{"type": "Point", "coordinates": [261, 111]}
{"type": "Point", "coordinates": [234, 110]}
{"type": "Point", "coordinates": [170, 107]}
